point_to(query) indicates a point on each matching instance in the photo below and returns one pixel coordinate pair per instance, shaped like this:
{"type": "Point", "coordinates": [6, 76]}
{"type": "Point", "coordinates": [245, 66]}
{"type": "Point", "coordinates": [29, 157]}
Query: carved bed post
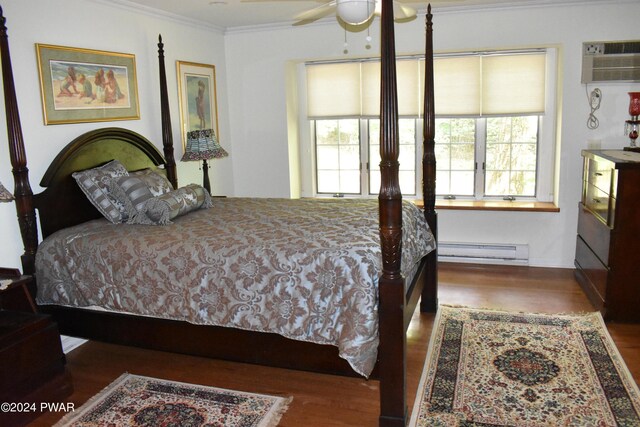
{"type": "Point", "coordinates": [22, 190]}
{"type": "Point", "coordinates": [167, 134]}
{"type": "Point", "coordinates": [429, 300]}
{"type": "Point", "coordinates": [393, 409]}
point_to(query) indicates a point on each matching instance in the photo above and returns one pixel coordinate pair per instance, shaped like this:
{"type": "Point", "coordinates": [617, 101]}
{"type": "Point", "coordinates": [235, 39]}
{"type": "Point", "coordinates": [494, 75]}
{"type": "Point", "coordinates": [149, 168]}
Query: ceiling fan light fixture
{"type": "Point", "coordinates": [355, 12]}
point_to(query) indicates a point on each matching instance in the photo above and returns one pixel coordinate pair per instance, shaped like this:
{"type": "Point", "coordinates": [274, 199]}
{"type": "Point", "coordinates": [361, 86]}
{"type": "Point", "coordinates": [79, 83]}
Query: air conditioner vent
{"type": "Point", "coordinates": [621, 47]}
{"type": "Point", "coordinates": [611, 61]}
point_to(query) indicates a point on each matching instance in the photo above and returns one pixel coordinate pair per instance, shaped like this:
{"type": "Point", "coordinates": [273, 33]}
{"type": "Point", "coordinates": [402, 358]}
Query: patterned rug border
{"type": "Point", "coordinates": [635, 390]}
{"type": "Point", "coordinates": [273, 416]}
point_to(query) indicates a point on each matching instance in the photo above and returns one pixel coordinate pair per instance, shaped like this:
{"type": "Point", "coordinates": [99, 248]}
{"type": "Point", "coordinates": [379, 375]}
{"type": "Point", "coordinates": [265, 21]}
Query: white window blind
{"type": "Point", "coordinates": [333, 90]}
{"type": "Point", "coordinates": [458, 86]}
{"type": "Point", "coordinates": [465, 86]}
{"type": "Point", "coordinates": [513, 84]}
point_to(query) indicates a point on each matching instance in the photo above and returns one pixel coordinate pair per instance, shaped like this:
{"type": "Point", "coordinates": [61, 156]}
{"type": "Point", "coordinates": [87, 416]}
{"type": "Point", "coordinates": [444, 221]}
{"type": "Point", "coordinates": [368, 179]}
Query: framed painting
{"type": "Point", "coordinates": [82, 85]}
{"type": "Point", "coordinates": [198, 98]}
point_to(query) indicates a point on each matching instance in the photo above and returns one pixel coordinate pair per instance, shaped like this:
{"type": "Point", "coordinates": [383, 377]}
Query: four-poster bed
{"type": "Point", "coordinates": [61, 206]}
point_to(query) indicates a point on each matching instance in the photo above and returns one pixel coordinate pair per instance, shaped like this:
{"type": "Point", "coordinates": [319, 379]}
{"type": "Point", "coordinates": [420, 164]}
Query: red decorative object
{"type": "Point", "coordinates": [634, 105]}
{"type": "Point", "coordinates": [632, 126]}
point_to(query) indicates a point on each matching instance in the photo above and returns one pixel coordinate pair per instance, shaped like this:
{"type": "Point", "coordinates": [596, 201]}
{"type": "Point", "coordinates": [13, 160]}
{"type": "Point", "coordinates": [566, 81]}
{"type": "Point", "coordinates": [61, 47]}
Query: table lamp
{"type": "Point", "coordinates": [203, 145]}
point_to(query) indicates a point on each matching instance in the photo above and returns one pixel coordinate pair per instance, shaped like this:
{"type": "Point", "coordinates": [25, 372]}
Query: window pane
{"type": "Point", "coordinates": [462, 182]}
{"type": "Point", "coordinates": [328, 181]}
{"type": "Point", "coordinates": [463, 157]}
{"type": "Point", "coordinates": [327, 157]}
{"type": "Point", "coordinates": [511, 156]}
{"type": "Point", "coordinates": [455, 156]}
{"type": "Point", "coordinates": [443, 182]}
{"type": "Point", "coordinates": [350, 157]}
{"type": "Point", "coordinates": [374, 182]}
{"type": "Point", "coordinates": [349, 182]}
{"type": "Point", "coordinates": [523, 183]}
{"type": "Point", "coordinates": [326, 131]}
{"type": "Point", "coordinates": [497, 183]}
{"type": "Point", "coordinates": [338, 156]}
{"type": "Point", "coordinates": [443, 156]}
{"type": "Point", "coordinates": [407, 182]}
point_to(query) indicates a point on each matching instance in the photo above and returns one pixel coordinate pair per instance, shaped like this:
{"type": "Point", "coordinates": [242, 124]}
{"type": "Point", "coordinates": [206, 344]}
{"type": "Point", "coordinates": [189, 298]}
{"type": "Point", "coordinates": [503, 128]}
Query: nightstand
{"type": "Point", "coordinates": [15, 291]}
{"type": "Point", "coordinates": [33, 370]}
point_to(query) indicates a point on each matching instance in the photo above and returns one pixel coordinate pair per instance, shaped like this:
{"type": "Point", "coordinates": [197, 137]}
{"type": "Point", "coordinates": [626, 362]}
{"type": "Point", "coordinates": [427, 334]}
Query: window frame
{"type": "Point", "coordinates": [548, 142]}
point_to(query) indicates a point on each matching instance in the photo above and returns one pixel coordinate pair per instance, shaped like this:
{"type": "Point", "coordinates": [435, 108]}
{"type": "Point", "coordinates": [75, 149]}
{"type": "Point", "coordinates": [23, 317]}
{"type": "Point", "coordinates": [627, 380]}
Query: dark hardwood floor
{"type": "Point", "coordinates": [324, 400]}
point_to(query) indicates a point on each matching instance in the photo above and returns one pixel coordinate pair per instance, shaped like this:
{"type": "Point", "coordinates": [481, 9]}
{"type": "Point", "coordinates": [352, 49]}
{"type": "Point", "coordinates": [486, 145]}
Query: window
{"type": "Point", "coordinates": [344, 166]}
{"type": "Point", "coordinates": [493, 157]}
{"type": "Point", "coordinates": [338, 156]}
{"type": "Point", "coordinates": [492, 137]}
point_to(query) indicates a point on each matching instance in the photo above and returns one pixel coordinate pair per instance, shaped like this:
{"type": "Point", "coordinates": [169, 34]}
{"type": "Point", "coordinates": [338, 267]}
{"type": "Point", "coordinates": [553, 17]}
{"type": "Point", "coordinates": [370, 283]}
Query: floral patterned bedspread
{"type": "Point", "coordinates": [305, 269]}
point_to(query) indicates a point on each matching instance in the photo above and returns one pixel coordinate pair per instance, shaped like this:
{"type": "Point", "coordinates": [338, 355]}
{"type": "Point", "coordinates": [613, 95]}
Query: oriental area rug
{"type": "Point", "coordinates": [493, 368]}
{"type": "Point", "coordinates": [133, 400]}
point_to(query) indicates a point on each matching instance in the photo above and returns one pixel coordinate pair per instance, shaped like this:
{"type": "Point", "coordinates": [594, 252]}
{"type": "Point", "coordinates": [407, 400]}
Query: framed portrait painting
{"type": "Point", "coordinates": [82, 85]}
{"type": "Point", "coordinates": [198, 98]}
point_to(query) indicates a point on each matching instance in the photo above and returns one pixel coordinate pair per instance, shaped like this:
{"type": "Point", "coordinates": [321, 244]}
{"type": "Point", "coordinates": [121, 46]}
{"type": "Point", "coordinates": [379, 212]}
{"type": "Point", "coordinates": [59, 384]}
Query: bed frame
{"type": "Point", "coordinates": [62, 204]}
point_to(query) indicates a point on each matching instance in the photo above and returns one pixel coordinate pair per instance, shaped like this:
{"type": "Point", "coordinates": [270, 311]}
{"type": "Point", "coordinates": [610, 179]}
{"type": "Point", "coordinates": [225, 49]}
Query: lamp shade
{"type": "Point", "coordinates": [355, 12]}
{"type": "Point", "coordinates": [5, 196]}
{"type": "Point", "coordinates": [203, 145]}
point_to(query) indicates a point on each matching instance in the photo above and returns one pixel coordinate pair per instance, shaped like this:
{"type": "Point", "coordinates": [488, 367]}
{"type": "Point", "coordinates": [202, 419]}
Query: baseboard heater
{"type": "Point", "coordinates": [484, 253]}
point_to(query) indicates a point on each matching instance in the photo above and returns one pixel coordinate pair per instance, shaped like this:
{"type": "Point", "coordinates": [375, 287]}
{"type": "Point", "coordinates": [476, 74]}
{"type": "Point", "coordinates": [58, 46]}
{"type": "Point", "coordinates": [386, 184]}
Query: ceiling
{"type": "Point", "coordinates": [229, 14]}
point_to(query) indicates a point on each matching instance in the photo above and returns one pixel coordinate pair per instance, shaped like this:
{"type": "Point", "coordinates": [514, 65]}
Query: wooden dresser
{"type": "Point", "coordinates": [608, 243]}
{"type": "Point", "coordinates": [32, 368]}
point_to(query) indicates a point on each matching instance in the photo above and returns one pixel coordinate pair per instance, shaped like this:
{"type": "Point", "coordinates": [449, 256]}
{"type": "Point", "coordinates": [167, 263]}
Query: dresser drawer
{"type": "Point", "coordinates": [598, 172]}
{"type": "Point", "coordinates": [595, 233]}
{"type": "Point", "coordinates": [597, 201]}
{"type": "Point", "coordinates": [595, 271]}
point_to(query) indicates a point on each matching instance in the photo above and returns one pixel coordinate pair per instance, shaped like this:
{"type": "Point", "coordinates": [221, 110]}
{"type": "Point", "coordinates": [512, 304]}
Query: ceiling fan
{"type": "Point", "coordinates": [352, 12]}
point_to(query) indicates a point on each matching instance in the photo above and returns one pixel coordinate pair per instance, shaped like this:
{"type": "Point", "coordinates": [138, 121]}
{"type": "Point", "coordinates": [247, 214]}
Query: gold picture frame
{"type": "Point", "coordinates": [198, 98]}
{"type": "Point", "coordinates": [83, 85]}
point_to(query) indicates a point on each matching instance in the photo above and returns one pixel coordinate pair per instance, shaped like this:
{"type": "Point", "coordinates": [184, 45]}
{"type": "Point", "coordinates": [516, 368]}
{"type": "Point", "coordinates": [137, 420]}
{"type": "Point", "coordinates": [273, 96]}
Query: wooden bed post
{"type": "Point", "coordinates": [167, 133]}
{"type": "Point", "coordinates": [22, 190]}
{"type": "Point", "coordinates": [429, 300]}
{"type": "Point", "coordinates": [392, 349]}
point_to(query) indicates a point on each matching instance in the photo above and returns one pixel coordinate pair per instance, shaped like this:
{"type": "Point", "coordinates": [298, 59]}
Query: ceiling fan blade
{"type": "Point", "coordinates": [401, 11]}
{"type": "Point", "coordinates": [315, 13]}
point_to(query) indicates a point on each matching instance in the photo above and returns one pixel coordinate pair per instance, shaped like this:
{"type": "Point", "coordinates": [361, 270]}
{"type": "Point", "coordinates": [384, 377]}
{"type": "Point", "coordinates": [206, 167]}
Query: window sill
{"type": "Point", "coordinates": [493, 205]}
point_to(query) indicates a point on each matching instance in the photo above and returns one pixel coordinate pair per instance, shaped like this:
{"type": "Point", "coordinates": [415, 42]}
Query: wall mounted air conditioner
{"type": "Point", "coordinates": [611, 61]}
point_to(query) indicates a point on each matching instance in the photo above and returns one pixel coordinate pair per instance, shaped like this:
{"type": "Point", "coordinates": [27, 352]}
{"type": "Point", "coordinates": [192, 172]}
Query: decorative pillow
{"type": "Point", "coordinates": [162, 209]}
{"type": "Point", "coordinates": [131, 191]}
{"type": "Point", "coordinates": [95, 182]}
{"type": "Point", "coordinates": [157, 183]}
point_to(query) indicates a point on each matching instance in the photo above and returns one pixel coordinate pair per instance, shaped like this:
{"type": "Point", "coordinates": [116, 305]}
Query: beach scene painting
{"type": "Point", "coordinates": [82, 85]}
{"type": "Point", "coordinates": [79, 85]}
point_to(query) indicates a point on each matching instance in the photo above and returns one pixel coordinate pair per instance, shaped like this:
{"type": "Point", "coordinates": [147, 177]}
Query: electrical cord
{"type": "Point", "coordinates": [594, 98]}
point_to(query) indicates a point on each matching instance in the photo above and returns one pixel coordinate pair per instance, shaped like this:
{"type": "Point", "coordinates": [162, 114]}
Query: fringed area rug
{"type": "Point", "coordinates": [133, 400]}
{"type": "Point", "coordinates": [492, 368]}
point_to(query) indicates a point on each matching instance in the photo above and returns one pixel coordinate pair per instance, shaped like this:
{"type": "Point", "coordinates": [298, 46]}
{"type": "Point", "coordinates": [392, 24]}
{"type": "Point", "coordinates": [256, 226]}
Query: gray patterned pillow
{"type": "Point", "coordinates": [95, 182]}
{"type": "Point", "coordinates": [131, 191]}
{"type": "Point", "coordinates": [162, 209]}
{"type": "Point", "coordinates": [157, 183]}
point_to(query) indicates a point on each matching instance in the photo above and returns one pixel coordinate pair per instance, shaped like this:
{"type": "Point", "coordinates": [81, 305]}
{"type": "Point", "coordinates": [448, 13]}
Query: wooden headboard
{"type": "Point", "coordinates": [62, 204]}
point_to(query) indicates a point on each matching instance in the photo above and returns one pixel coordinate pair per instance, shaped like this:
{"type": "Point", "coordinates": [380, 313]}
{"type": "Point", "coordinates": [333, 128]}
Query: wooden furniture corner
{"type": "Point", "coordinates": [16, 291]}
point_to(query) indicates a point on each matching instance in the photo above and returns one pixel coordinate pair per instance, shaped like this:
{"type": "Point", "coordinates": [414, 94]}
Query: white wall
{"type": "Point", "coordinates": [97, 24]}
{"type": "Point", "coordinates": [256, 70]}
